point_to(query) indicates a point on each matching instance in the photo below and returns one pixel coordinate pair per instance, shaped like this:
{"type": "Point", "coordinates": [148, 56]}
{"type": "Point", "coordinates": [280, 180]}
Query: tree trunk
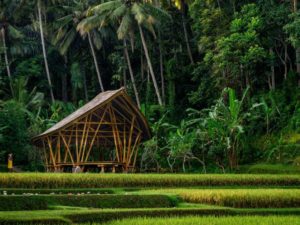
{"type": "Point", "coordinates": [295, 5]}
{"type": "Point", "coordinates": [85, 88]}
{"type": "Point", "coordinates": [44, 51]}
{"type": "Point", "coordinates": [64, 82]}
{"type": "Point", "coordinates": [285, 61]}
{"type": "Point", "coordinates": [6, 61]}
{"type": "Point", "coordinates": [297, 48]}
{"type": "Point", "coordinates": [187, 39]}
{"type": "Point", "coordinates": [161, 65]}
{"type": "Point", "coordinates": [131, 74]}
{"type": "Point", "coordinates": [298, 59]}
{"type": "Point", "coordinates": [95, 62]}
{"type": "Point", "coordinates": [272, 71]}
{"type": "Point", "coordinates": [124, 77]}
{"type": "Point", "coordinates": [142, 65]}
{"type": "Point", "coordinates": [150, 65]}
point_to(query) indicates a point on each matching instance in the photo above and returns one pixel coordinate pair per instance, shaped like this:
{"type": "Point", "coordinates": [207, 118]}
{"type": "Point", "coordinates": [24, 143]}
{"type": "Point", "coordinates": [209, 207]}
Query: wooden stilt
{"type": "Point", "coordinates": [51, 152]}
{"type": "Point", "coordinates": [68, 149]}
{"type": "Point", "coordinates": [95, 135]}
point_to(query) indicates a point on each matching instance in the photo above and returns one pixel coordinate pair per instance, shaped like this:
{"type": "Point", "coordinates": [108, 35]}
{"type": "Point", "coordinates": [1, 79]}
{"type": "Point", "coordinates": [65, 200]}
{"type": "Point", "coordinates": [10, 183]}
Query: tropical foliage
{"type": "Point", "coordinates": [218, 80]}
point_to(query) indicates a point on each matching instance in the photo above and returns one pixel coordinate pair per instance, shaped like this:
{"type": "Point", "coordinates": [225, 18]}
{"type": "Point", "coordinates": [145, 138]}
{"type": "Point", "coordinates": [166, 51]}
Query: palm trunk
{"type": "Point", "coordinates": [124, 77]}
{"type": "Point", "coordinates": [64, 82]}
{"type": "Point", "coordinates": [95, 62]}
{"type": "Point", "coordinates": [161, 71]}
{"type": "Point", "coordinates": [298, 59]}
{"type": "Point", "coordinates": [150, 65]}
{"type": "Point", "coordinates": [285, 61]}
{"type": "Point", "coordinates": [297, 48]}
{"type": "Point", "coordinates": [85, 88]}
{"type": "Point", "coordinates": [187, 39]}
{"type": "Point", "coordinates": [272, 71]}
{"type": "Point", "coordinates": [44, 51]}
{"type": "Point", "coordinates": [131, 74]}
{"type": "Point", "coordinates": [6, 61]}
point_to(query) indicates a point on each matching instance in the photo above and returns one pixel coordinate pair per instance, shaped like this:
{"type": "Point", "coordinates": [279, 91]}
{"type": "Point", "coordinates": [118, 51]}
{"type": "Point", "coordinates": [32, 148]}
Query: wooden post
{"type": "Point", "coordinates": [51, 152]}
{"type": "Point", "coordinates": [95, 135]}
{"type": "Point", "coordinates": [68, 149]}
{"type": "Point", "coordinates": [86, 138]}
{"type": "Point", "coordinates": [82, 139]}
{"type": "Point", "coordinates": [58, 150]}
{"type": "Point", "coordinates": [130, 139]}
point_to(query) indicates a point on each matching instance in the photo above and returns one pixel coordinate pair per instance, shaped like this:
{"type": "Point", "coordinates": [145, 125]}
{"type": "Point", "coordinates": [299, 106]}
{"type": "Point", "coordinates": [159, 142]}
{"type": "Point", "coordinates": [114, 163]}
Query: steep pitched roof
{"type": "Point", "coordinates": [99, 101]}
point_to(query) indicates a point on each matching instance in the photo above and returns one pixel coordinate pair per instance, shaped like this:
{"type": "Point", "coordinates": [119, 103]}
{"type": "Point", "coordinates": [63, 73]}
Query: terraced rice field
{"type": "Point", "coordinates": [160, 199]}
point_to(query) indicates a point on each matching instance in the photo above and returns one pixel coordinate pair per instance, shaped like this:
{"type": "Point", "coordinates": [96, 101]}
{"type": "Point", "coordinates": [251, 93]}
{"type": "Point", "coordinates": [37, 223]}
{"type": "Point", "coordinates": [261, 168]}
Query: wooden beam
{"type": "Point", "coordinates": [69, 142]}
{"type": "Point", "coordinates": [134, 148]}
{"type": "Point", "coordinates": [82, 139]}
{"type": "Point", "coordinates": [124, 143]}
{"type": "Point", "coordinates": [45, 152]}
{"type": "Point", "coordinates": [58, 150]}
{"type": "Point", "coordinates": [85, 142]}
{"type": "Point", "coordinates": [126, 118]}
{"type": "Point", "coordinates": [118, 135]}
{"type": "Point", "coordinates": [95, 135]}
{"type": "Point", "coordinates": [51, 151]}
{"type": "Point", "coordinates": [130, 138]}
{"type": "Point", "coordinates": [95, 123]}
{"type": "Point", "coordinates": [68, 149]}
{"type": "Point", "coordinates": [114, 134]}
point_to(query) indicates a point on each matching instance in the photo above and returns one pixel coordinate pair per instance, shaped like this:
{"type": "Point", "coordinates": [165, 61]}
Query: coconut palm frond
{"type": "Point", "coordinates": [97, 39]}
{"type": "Point", "coordinates": [118, 12]}
{"type": "Point", "coordinates": [15, 33]}
{"type": "Point", "coordinates": [157, 13]}
{"type": "Point", "coordinates": [67, 41]}
{"type": "Point", "coordinates": [139, 13]}
{"type": "Point", "coordinates": [125, 26]}
{"type": "Point", "coordinates": [90, 23]}
{"type": "Point", "coordinates": [104, 7]}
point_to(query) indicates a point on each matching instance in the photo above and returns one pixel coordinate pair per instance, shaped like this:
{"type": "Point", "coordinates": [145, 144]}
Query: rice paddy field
{"type": "Point", "coordinates": [146, 199]}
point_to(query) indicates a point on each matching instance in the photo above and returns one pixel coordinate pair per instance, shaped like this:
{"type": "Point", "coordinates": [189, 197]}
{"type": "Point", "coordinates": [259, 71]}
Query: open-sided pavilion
{"type": "Point", "coordinates": [105, 133]}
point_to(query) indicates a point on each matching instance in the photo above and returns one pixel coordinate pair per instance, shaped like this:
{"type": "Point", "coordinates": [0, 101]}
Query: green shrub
{"type": "Point", "coordinates": [51, 180]}
{"type": "Point", "coordinates": [36, 202]}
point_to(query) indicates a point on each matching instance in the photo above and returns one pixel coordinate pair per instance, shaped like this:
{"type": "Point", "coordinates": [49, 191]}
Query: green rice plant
{"type": "Point", "coordinates": [38, 202]}
{"type": "Point", "coordinates": [88, 215]}
{"type": "Point", "coordinates": [239, 198]}
{"type": "Point", "coordinates": [24, 191]}
{"type": "Point", "coordinates": [63, 180]}
{"type": "Point", "coordinates": [211, 220]}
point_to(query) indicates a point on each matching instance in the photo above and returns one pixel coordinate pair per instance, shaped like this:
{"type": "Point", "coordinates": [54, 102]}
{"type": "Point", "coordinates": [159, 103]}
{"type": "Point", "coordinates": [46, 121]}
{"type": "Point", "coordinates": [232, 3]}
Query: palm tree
{"type": "Point", "coordinates": [67, 33]}
{"type": "Point", "coordinates": [6, 58]}
{"type": "Point", "coordinates": [127, 15]}
{"type": "Point", "coordinates": [182, 6]}
{"type": "Point", "coordinates": [39, 6]}
{"type": "Point", "coordinates": [7, 30]}
{"type": "Point", "coordinates": [131, 73]}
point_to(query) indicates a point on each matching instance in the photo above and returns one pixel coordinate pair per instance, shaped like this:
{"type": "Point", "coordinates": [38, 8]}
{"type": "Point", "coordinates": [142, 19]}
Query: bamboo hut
{"type": "Point", "coordinates": [104, 133]}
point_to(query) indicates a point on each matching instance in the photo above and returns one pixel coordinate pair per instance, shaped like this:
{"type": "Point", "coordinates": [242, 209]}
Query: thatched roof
{"type": "Point", "coordinates": [100, 101]}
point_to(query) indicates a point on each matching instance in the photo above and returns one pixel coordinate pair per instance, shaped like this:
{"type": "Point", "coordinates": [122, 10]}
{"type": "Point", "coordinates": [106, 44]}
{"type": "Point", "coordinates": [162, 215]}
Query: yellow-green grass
{"type": "Point", "coordinates": [210, 220]}
{"type": "Point", "coordinates": [84, 215]}
{"type": "Point", "coordinates": [240, 198]}
{"type": "Point", "coordinates": [63, 180]}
